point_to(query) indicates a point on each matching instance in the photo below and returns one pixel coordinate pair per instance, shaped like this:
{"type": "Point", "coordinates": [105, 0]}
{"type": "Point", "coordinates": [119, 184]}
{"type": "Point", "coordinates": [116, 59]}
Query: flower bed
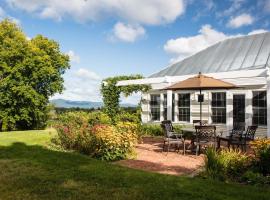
{"type": "Point", "coordinates": [84, 133]}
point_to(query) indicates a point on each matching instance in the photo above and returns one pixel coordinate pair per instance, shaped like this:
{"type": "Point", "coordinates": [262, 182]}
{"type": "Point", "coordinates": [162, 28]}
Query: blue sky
{"type": "Point", "coordinates": [113, 37]}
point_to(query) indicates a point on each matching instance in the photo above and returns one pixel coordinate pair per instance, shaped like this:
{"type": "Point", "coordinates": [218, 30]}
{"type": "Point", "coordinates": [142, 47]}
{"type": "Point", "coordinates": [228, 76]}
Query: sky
{"type": "Point", "coordinates": [121, 37]}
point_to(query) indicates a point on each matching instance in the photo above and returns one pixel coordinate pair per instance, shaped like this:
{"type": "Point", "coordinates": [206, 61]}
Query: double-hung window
{"type": "Point", "coordinates": [155, 107]}
{"type": "Point", "coordinates": [165, 106]}
{"type": "Point", "coordinates": [184, 107]}
{"type": "Point", "coordinates": [219, 107]}
{"type": "Point", "coordinates": [259, 105]}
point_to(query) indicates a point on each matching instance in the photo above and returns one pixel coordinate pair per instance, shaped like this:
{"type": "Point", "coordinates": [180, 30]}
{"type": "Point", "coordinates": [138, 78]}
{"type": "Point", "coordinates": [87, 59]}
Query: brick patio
{"type": "Point", "coordinates": [151, 158]}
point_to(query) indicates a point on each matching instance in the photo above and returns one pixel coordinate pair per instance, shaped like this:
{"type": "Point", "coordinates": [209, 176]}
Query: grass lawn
{"type": "Point", "coordinates": [30, 170]}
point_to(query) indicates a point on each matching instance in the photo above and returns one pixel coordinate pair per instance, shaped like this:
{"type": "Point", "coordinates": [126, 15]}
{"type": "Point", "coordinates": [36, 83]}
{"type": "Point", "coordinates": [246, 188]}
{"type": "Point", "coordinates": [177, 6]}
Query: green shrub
{"type": "Point", "coordinates": [151, 130]}
{"type": "Point", "coordinates": [111, 144]}
{"type": "Point", "coordinates": [255, 178]}
{"type": "Point", "coordinates": [261, 148]}
{"type": "Point", "coordinates": [227, 164]}
{"type": "Point", "coordinates": [103, 141]}
{"type": "Point", "coordinates": [156, 130]}
{"type": "Point", "coordinates": [128, 117]}
{"type": "Point", "coordinates": [235, 163]}
{"type": "Point", "coordinates": [71, 127]}
{"type": "Point", "coordinates": [213, 165]}
{"type": "Point", "coordinates": [98, 117]}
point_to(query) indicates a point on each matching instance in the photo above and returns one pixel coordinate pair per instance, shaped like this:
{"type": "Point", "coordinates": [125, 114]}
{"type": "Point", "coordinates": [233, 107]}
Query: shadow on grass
{"type": "Point", "coordinates": [34, 172]}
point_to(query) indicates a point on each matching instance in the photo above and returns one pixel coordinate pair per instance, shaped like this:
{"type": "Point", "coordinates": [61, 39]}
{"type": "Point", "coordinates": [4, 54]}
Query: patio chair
{"type": "Point", "coordinates": [171, 137]}
{"type": "Point", "coordinates": [243, 141]}
{"type": "Point", "coordinates": [198, 123]}
{"type": "Point", "coordinates": [234, 134]}
{"type": "Point", "coordinates": [205, 135]}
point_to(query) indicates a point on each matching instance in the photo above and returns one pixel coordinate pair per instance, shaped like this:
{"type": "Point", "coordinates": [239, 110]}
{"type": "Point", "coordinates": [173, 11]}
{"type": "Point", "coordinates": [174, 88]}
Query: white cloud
{"type": "Point", "coordinates": [257, 31]}
{"type": "Point", "coordinates": [127, 32]}
{"type": "Point", "coordinates": [2, 12]}
{"type": "Point", "coordinates": [86, 74]}
{"type": "Point", "coordinates": [3, 15]}
{"type": "Point", "coordinates": [240, 20]}
{"type": "Point", "coordinates": [133, 99]}
{"type": "Point", "coordinates": [185, 46]}
{"type": "Point", "coordinates": [73, 57]}
{"type": "Point", "coordinates": [151, 12]}
{"type": "Point", "coordinates": [235, 5]}
{"type": "Point", "coordinates": [81, 85]}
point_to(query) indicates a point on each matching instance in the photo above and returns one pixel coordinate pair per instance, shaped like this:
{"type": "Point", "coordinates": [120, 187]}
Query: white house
{"type": "Point", "coordinates": [243, 61]}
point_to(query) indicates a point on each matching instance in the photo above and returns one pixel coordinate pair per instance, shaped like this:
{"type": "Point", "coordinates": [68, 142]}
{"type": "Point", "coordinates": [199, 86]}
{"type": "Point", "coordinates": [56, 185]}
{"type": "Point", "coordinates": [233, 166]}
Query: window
{"type": "Point", "coordinates": [165, 106]}
{"type": "Point", "coordinates": [155, 107]}
{"type": "Point", "coordinates": [259, 105]}
{"type": "Point", "coordinates": [184, 107]}
{"type": "Point", "coordinates": [173, 105]}
{"type": "Point", "coordinates": [219, 107]}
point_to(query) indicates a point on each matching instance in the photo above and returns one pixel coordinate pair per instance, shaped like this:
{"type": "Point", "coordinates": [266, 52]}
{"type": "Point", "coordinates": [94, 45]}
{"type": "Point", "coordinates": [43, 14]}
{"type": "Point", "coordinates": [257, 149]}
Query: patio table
{"type": "Point", "coordinates": [225, 139]}
{"type": "Point", "coordinates": [190, 134]}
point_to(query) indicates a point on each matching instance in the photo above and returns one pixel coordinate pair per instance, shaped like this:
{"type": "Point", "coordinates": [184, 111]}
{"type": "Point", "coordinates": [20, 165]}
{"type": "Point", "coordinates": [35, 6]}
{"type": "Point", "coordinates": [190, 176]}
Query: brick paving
{"type": "Point", "coordinates": [150, 157]}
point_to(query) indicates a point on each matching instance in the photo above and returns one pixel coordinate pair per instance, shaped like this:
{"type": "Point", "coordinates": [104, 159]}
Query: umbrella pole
{"type": "Point", "coordinates": [200, 108]}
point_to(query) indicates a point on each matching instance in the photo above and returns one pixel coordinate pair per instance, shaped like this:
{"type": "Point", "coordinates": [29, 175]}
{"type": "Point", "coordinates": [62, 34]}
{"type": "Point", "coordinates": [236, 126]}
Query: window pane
{"type": "Point", "coordinates": [165, 106]}
{"type": "Point", "coordinates": [155, 107]}
{"type": "Point", "coordinates": [184, 107]}
{"type": "Point", "coordinates": [219, 107]}
{"type": "Point", "coordinates": [173, 105]}
{"type": "Point", "coordinates": [259, 104]}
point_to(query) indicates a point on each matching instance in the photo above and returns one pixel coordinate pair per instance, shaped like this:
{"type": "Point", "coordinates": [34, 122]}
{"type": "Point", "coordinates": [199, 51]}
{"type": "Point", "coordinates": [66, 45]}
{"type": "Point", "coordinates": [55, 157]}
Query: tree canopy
{"type": "Point", "coordinates": [111, 92]}
{"type": "Point", "coordinates": [30, 72]}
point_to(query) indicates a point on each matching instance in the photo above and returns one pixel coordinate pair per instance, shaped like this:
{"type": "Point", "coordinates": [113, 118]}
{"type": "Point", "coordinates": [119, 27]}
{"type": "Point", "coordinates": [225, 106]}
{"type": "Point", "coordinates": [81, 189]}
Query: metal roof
{"type": "Point", "coordinates": [240, 53]}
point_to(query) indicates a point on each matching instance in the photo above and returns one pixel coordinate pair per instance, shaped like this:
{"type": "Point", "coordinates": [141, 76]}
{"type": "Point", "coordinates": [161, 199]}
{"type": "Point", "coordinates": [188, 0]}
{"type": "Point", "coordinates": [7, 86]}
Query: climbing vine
{"type": "Point", "coordinates": [111, 92]}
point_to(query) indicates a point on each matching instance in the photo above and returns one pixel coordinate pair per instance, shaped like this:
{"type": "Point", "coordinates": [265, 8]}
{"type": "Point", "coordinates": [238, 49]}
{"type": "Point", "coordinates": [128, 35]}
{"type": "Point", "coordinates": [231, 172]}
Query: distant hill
{"type": "Point", "coordinates": [62, 103]}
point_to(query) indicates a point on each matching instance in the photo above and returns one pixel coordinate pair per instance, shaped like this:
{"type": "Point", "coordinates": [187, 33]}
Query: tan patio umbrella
{"type": "Point", "coordinates": [201, 82]}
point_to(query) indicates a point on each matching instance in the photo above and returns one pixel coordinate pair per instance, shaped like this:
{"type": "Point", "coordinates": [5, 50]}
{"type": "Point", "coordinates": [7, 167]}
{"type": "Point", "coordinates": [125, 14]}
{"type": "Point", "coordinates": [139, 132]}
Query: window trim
{"type": "Point", "coordinates": [178, 107]}
{"type": "Point", "coordinates": [215, 107]}
{"type": "Point", "coordinates": [165, 106]}
{"type": "Point", "coordinates": [150, 108]}
{"type": "Point", "coordinates": [254, 107]}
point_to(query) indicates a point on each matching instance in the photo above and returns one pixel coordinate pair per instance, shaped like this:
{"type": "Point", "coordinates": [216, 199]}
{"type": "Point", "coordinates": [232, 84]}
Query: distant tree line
{"type": "Point", "coordinates": [60, 110]}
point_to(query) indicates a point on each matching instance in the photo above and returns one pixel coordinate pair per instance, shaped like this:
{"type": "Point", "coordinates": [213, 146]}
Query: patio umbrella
{"type": "Point", "coordinates": [201, 82]}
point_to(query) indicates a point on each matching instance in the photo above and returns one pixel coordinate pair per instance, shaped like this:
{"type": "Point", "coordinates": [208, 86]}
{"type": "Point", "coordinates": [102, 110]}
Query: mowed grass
{"type": "Point", "coordinates": [29, 170]}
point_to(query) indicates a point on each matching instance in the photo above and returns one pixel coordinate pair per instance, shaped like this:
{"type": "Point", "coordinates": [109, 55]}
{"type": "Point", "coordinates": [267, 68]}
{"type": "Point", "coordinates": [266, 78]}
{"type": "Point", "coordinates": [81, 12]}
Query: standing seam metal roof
{"type": "Point", "coordinates": [240, 53]}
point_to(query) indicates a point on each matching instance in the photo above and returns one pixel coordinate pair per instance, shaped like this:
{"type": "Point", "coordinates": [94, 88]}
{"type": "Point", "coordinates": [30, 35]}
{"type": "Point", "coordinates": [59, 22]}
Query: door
{"type": "Point", "coordinates": [239, 108]}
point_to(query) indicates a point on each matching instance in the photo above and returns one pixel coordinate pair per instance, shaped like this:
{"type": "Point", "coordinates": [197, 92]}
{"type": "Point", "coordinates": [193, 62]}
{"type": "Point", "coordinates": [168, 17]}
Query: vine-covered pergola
{"type": "Point", "coordinates": [111, 92]}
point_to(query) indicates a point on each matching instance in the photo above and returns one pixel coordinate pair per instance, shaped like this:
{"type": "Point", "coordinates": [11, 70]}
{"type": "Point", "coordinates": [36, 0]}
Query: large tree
{"type": "Point", "coordinates": [30, 72]}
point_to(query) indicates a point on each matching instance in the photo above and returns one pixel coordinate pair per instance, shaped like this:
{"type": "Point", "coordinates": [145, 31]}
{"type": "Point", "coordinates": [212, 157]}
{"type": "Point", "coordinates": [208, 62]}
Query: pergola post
{"type": "Point", "coordinates": [169, 104]}
{"type": "Point", "coordinates": [268, 101]}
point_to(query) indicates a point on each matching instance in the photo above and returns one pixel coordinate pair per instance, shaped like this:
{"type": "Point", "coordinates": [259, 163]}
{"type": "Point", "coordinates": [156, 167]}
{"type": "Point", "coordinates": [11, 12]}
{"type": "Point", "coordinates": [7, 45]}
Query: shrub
{"type": "Point", "coordinates": [255, 178]}
{"type": "Point", "coordinates": [128, 117]}
{"type": "Point", "coordinates": [111, 144]}
{"type": "Point", "coordinates": [227, 164]}
{"type": "Point", "coordinates": [235, 163]}
{"type": "Point", "coordinates": [156, 130]}
{"type": "Point", "coordinates": [103, 141]}
{"type": "Point", "coordinates": [261, 148]}
{"type": "Point", "coordinates": [213, 165]}
{"type": "Point", "coordinates": [151, 130]}
{"type": "Point", "coordinates": [98, 117]}
{"type": "Point", "coordinates": [71, 127]}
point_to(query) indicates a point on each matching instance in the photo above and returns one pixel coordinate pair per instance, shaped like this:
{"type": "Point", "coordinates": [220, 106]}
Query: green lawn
{"type": "Point", "coordinates": [29, 170]}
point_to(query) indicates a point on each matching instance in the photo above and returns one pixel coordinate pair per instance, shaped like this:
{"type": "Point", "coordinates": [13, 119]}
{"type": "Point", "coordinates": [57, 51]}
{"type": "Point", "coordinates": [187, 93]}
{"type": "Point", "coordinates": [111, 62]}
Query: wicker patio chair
{"type": "Point", "coordinates": [171, 137]}
{"type": "Point", "coordinates": [205, 136]}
